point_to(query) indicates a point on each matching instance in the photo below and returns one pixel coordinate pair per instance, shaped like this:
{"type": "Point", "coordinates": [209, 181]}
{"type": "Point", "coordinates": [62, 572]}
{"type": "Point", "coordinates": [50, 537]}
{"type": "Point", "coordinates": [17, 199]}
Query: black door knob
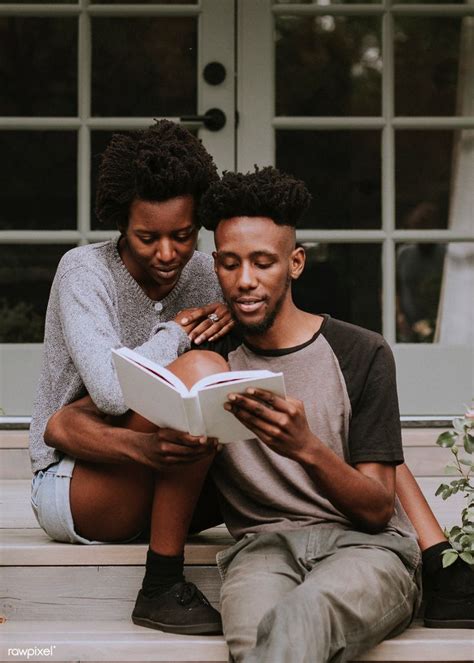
{"type": "Point", "coordinates": [214, 119]}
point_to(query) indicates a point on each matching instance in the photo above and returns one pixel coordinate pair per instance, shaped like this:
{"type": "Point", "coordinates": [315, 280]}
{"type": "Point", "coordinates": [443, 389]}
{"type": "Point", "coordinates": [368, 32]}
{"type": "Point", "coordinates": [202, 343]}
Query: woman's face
{"type": "Point", "coordinates": [158, 242]}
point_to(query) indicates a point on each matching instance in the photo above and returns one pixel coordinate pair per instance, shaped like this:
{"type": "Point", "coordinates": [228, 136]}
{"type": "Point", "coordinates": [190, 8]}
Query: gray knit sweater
{"type": "Point", "coordinates": [96, 305]}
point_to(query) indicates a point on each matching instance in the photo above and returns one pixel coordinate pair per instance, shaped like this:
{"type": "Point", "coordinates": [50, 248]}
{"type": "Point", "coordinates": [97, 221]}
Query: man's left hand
{"type": "Point", "coordinates": [279, 423]}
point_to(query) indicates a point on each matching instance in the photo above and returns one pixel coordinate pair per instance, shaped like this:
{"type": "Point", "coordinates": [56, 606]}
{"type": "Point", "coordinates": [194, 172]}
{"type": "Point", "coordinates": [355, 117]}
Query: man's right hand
{"type": "Point", "coordinates": [165, 449]}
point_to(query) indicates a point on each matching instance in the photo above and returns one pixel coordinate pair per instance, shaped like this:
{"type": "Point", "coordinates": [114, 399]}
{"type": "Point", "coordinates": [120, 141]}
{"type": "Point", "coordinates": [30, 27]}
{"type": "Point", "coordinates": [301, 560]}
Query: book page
{"type": "Point", "coordinates": [160, 372]}
{"type": "Point", "coordinates": [228, 377]}
{"type": "Point", "coordinates": [222, 424]}
{"type": "Point", "coordinates": [150, 395]}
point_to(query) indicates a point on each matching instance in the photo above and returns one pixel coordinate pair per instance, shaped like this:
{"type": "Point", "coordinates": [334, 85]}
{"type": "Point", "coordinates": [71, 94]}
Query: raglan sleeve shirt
{"type": "Point", "coordinates": [374, 428]}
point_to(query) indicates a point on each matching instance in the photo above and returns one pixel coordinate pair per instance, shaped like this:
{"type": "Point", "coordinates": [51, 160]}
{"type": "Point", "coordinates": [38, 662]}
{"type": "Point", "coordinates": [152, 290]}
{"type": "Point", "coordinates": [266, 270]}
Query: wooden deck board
{"type": "Point", "coordinates": [122, 641]}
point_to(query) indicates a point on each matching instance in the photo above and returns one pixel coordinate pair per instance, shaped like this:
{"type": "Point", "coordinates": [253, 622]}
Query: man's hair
{"type": "Point", "coordinates": [154, 164]}
{"type": "Point", "coordinates": [266, 192]}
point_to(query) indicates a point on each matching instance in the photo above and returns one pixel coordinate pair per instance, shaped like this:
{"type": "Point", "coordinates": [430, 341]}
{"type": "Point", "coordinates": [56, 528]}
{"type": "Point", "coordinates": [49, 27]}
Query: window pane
{"type": "Point", "coordinates": [343, 280]}
{"type": "Point", "coordinates": [99, 141]}
{"type": "Point", "coordinates": [342, 171]}
{"type": "Point", "coordinates": [38, 175]}
{"type": "Point", "coordinates": [433, 282]}
{"type": "Point", "coordinates": [328, 65]}
{"type": "Point", "coordinates": [332, 2]}
{"type": "Point", "coordinates": [145, 2]}
{"type": "Point", "coordinates": [38, 66]}
{"type": "Point", "coordinates": [144, 67]}
{"type": "Point", "coordinates": [26, 274]}
{"type": "Point", "coordinates": [37, 2]}
{"type": "Point", "coordinates": [424, 169]}
{"type": "Point", "coordinates": [431, 73]}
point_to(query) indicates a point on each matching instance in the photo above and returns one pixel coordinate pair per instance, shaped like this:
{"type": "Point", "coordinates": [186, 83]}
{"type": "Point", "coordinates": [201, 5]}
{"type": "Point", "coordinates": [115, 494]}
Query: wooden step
{"type": "Point", "coordinates": [122, 641]}
{"type": "Point", "coordinates": [15, 507]}
{"type": "Point", "coordinates": [422, 456]}
{"type": "Point", "coordinates": [77, 593]}
{"type": "Point", "coordinates": [32, 547]}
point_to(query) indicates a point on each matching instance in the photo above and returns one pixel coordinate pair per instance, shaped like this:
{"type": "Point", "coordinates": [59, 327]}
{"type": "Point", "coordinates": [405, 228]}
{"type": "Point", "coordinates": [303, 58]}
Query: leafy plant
{"type": "Point", "coordinates": [461, 537]}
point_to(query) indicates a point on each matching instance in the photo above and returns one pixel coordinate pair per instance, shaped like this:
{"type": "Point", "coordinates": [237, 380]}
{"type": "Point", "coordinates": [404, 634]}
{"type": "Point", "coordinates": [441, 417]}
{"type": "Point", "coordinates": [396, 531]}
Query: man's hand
{"type": "Point", "coordinates": [205, 323]}
{"type": "Point", "coordinates": [166, 449]}
{"type": "Point", "coordinates": [280, 423]}
{"type": "Point", "coordinates": [364, 493]}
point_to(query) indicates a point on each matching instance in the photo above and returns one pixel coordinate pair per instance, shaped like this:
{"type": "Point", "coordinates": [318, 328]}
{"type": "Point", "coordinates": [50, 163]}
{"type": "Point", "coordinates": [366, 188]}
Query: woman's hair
{"type": "Point", "coordinates": [155, 164]}
{"type": "Point", "coordinates": [266, 192]}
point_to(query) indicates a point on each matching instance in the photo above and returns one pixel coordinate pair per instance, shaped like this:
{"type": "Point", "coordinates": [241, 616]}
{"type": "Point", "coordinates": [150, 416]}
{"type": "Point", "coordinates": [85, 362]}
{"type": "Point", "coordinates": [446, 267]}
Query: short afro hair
{"type": "Point", "coordinates": [266, 192]}
{"type": "Point", "coordinates": [154, 164]}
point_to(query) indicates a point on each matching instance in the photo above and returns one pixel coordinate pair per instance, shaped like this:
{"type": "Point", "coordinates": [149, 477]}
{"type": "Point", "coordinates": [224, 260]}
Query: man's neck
{"type": "Point", "coordinates": [291, 328]}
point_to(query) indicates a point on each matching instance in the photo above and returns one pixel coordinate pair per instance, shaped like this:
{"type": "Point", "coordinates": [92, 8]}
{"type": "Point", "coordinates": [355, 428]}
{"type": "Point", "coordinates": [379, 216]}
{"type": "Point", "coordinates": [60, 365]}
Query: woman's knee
{"type": "Point", "coordinates": [196, 364]}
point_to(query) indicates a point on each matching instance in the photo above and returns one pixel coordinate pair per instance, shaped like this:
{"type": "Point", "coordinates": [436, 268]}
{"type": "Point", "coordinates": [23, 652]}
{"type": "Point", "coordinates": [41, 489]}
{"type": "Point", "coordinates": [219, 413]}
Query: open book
{"type": "Point", "coordinates": [159, 396]}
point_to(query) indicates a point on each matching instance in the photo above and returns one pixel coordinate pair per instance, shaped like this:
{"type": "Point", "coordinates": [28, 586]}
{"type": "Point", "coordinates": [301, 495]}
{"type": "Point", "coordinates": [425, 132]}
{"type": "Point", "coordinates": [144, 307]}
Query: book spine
{"type": "Point", "coordinates": [194, 416]}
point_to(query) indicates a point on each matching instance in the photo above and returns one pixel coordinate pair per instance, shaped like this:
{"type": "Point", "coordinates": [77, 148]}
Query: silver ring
{"type": "Point", "coordinates": [213, 317]}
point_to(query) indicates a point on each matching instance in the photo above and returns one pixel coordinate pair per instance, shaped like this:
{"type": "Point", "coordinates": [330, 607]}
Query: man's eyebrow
{"type": "Point", "coordinates": [254, 254]}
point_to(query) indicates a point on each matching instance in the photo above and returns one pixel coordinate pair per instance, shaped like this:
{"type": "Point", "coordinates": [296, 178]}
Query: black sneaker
{"type": "Point", "coordinates": [449, 611]}
{"type": "Point", "coordinates": [182, 609]}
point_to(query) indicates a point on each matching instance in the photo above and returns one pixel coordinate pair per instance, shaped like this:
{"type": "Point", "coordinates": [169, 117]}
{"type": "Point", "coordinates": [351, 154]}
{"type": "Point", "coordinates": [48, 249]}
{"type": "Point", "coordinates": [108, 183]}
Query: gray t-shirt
{"type": "Point", "coordinates": [96, 305]}
{"type": "Point", "coordinates": [345, 376]}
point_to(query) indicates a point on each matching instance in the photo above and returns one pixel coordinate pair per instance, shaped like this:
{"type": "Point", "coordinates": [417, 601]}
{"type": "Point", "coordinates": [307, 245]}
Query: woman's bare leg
{"type": "Point", "coordinates": [114, 502]}
{"type": "Point", "coordinates": [417, 509]}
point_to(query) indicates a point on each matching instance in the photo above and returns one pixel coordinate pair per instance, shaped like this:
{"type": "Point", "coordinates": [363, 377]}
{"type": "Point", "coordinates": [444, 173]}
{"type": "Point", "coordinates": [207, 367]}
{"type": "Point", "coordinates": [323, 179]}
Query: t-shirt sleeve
{"type": "Point", "coordinates": [374, 430]}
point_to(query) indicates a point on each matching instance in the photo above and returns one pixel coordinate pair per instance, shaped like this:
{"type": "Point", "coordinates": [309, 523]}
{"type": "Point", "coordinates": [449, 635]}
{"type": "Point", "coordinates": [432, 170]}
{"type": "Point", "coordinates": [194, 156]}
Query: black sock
{"type": "Point", "coordinates": [456, 579]}
{"type": "Point", "coordinates": [161, 573]}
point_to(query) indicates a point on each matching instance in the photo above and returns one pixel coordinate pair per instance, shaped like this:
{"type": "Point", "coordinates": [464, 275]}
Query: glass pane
{"type": "Point", "coordinates": [424, 178]}
{"type": "Point", "coordinates": [431, 2]}
{"type": "Point", "coordinates": [38, 66]}
{"type": "Point", "coordinates": [38, 175]}
{"type": "Point", "coordinates": [145, 2]}
{"type": "Point", "coordinates": [155, 75]}
{"type": "Point", "coordinates": [432, 73]}
{"type": "Point", "coordinates": [328, 65]}
{"type": "Point", "coordinates": [99, 141]}
{"type": "Point", "coordinates": [342, 171]}
{"type": "Point", "coordinates": [26, 274]}
{"type": "Point", "coordinates": [37, 2]}
{"type": "Point", "coordinates": [322, 2]}
{"type": "Point", "coordinates": [433, 282]}
{"type": "Point", "coordinates": [344, 280]}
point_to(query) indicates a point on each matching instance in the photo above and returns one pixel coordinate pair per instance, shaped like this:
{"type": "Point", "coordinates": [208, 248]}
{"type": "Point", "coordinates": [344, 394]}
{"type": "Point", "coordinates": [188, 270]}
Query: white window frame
{"type": "Point", "coordinates": [445, 378]}
{"type": "Point", "coordinates": [20, 363]}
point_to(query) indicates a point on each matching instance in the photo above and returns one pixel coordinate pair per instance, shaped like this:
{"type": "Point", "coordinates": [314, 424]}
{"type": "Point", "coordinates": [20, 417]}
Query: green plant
{"type": "Point", "coordinates": [461, 537]}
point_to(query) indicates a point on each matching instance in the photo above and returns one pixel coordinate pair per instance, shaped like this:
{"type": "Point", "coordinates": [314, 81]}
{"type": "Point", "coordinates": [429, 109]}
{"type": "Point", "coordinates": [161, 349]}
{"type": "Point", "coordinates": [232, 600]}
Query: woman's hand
{"type": "Point", "coordinates": [205, 323]}
{"type": "Point", "coordinates": [166, 449]}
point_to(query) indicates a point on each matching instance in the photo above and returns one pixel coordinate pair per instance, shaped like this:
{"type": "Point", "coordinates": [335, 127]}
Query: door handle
{"type": "Point", "coordinates": [214, 119]}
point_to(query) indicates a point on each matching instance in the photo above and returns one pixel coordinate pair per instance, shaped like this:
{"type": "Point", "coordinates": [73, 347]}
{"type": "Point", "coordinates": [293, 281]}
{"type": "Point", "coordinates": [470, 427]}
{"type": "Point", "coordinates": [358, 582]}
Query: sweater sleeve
{"type": "Point", "coordinates": [91, 328]}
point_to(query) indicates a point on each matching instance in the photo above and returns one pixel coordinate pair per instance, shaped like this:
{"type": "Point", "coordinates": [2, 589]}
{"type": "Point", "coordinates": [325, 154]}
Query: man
{"type": "Point", "coordinates": [326, 564]}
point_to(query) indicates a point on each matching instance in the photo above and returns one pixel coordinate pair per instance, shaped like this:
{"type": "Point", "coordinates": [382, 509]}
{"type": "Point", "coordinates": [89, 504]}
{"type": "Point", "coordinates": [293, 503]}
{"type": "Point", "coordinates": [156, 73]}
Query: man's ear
{"type": "Point", "coordinates": [297, 262]}
{"type": "Point", "coordinates": [214, 255]}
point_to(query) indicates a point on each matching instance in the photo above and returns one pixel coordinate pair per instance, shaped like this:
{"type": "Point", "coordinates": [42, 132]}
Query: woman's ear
{"type": "Point", "coordinates": [297, 262]}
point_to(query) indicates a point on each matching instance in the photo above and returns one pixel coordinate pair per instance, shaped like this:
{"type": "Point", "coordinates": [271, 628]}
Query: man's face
{"type": "Point", "coordinates": [159, 241]}
{"type": "Point", "coordinates": [255, 262]}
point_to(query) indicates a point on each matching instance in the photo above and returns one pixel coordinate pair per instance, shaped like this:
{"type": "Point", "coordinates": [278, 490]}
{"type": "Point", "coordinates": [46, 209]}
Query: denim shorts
{"type": "Point", "coordinates": [50, 501]}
